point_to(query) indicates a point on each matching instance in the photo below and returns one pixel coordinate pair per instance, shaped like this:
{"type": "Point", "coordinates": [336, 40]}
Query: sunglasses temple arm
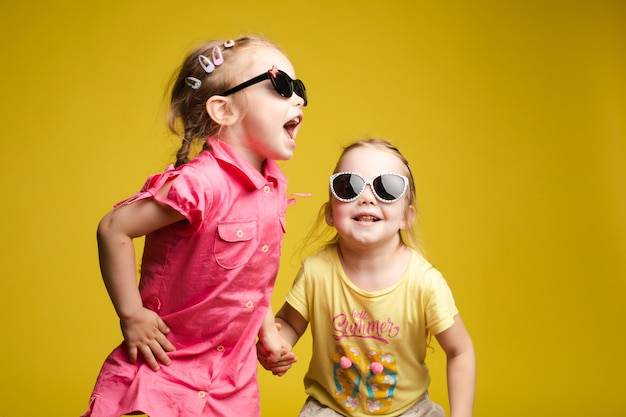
{"type": "Point", "coordinates": [248, 83]}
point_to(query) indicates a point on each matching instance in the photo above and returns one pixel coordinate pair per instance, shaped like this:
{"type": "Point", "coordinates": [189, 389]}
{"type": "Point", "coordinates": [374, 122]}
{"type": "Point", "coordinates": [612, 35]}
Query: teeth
{"type": "Point", "coordinates": [293, 122]}
{"type": "Point", "coordinates": [367, 218]}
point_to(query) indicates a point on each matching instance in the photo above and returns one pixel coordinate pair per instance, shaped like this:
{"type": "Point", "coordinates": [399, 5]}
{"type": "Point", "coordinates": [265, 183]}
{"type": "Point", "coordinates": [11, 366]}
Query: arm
{"type": "Point", "coordinates": [461, 368]}
{"type": "Point", "coordinates": [144, 331]}
{"type": "Point", "coordinates": [290, 325]}
{"type": "Point", "coordinates": [272, 345]}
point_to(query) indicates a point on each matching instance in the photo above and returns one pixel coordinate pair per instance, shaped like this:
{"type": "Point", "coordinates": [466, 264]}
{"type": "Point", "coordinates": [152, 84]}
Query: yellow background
{"type": "Point", "coordinates": [512, 114]}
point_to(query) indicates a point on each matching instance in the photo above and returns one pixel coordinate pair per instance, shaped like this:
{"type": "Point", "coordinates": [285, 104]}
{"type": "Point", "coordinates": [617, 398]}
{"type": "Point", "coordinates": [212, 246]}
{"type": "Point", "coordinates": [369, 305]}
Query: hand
{"type": "Point", "coordinates": [278, 366]}
{"type": "Point", "coordinates": [273, 347]}
{"type": "Point", "coordinates": [145, 332]}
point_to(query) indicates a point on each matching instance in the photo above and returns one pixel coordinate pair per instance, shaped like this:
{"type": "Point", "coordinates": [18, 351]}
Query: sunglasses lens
{"type": "Point", "coordinates": [285, 86]}
{"type": "Point", "coordinates": [298, 88]}
{"type": "Point", "coordinates": [389, 187]}
{"type": "Point", "coordinates": [347, 186]}
{"type": "Point", "coordinates": [282, 84]}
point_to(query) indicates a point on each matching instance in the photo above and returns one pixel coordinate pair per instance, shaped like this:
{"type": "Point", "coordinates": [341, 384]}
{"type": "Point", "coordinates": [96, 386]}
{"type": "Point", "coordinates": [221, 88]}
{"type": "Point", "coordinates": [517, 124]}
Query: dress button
{"type": "Point", "coordinates": [239, 233]}
{"type": "Point", "coordinates": [220, 348]}
{"type": "Point", "coordinates": [266, 189]}
{"type": "Point", "coordinates": [201, 394]}
{"type": "Point", "coordinates": [265, 248]}
{"type": "Point", "coordinates": [249, 304]}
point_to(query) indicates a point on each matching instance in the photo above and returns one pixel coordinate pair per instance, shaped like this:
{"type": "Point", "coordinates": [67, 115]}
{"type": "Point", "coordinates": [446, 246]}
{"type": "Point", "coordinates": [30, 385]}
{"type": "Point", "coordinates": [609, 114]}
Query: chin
{"type": "Point", "coordinates": [286, 156]}
{"type": "Point", "coordinates": [282, 155]}
{"type": "Point", "coordinates": [287, 151]}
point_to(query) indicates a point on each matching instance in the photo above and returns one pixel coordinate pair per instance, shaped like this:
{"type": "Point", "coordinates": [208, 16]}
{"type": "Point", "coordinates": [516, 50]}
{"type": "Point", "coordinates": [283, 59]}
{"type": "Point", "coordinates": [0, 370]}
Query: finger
{"type": "Point", "coordinates": [281, 364]}
{"type": "Point", "coordinates": [149, 357]}
{"type": "Point", "coordinates": [288, 357]}
{"type": "Point", "coordinates": [163, 327]}
{"type": "Point", "coordinates": [274, 357]}
{"type": "Point", "coordinates": [281, 370]}
{"type": "Point", "coordinates": [165, 343]}
{"type": "Point", "coordinates": [263, 362]}
{"type": "Point", "coordinates": [159, 353]}
{"type": "Point", "coordinates": [261, 351]}
{"type": "Point", "coordinates": [162, 356]}
{"type": "Point", "coordinates": [132, 353]}
{"type": "Point", "coordinates": [287, 354]}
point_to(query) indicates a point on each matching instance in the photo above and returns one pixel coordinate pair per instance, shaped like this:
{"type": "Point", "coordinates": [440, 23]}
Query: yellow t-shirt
{"type": "Point", "coordinates": [369, 347]}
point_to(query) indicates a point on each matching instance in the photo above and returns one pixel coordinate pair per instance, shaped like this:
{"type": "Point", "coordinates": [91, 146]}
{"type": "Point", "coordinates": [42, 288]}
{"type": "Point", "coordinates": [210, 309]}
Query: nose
{"type": "Point", "coordinates": [299, 100]}
{"type": "Point", "coordinates": [367, 196]}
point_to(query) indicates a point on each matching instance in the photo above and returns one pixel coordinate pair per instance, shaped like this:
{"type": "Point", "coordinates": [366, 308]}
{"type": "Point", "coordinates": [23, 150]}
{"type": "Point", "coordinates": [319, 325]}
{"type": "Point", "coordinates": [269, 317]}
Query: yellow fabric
{"type": "Point", "coordinates": [369, 347]}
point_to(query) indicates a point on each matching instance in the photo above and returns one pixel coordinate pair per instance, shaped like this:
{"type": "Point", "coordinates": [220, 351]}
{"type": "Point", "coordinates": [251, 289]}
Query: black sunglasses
{"type": "Point", "coordinates": [348, 186]}
{"type": "Point", "coordinates": [284, 85]}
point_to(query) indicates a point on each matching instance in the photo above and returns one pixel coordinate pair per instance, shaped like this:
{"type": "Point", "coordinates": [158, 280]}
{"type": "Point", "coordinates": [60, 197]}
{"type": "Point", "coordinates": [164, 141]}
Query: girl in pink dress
{"type": "Point", "coordinates": [213, 226]}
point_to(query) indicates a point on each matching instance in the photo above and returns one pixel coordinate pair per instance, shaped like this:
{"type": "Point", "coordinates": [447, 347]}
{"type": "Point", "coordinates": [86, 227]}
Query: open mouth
{"type": "Point", "coordinates": [292, 126]}
{"type": "Point", "coordinates": [366, 219]}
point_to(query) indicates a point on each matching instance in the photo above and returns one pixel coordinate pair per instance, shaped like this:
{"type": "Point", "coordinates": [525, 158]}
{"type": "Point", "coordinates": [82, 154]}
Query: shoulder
{"type": "Point", "coordinates": [324, 259]}
{"type": "Point", "coordinates": [204, 172]}
{"type": "Point", "coordinates": [319, 270]}
{"type": "Point", "coordinates": [204, 164]}
{"type": "Point", "coordinates": [422, 273]}
{"type": "Point", "coordinates": [419, 265]}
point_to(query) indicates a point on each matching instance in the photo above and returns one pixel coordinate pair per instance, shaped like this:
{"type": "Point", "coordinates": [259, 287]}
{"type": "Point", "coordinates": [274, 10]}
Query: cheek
{"type": "Point", "coordinates": [398, 212]}
{"type": "Point", "coordinates": [338, 211]}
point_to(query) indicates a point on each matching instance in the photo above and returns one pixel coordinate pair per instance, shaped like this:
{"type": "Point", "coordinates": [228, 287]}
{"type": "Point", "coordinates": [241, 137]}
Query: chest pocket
{"type": "Point", "coordinates": [236, 242]}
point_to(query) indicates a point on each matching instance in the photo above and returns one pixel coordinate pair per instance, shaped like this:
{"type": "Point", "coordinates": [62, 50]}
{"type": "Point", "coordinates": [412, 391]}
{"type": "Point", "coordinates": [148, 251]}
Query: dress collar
{"type": "Point", "coordinates": [226, 154]}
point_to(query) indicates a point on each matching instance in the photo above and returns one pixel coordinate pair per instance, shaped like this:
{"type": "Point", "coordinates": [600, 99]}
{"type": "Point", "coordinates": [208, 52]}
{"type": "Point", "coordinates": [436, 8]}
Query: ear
{"type": "Point", "coordinates": [328, 214]}
{"type": "Point", "coordinates": [409, 218]}
{"type": "Point", "coordinates": [222, 110]}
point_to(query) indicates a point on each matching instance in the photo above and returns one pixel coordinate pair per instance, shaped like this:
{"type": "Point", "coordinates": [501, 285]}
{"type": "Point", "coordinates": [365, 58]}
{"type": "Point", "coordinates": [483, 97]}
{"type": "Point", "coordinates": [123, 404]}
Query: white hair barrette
{"type": "Point", "coordinates": [193, 82]}
{"type": "Point", "coordinates": [209, 64]}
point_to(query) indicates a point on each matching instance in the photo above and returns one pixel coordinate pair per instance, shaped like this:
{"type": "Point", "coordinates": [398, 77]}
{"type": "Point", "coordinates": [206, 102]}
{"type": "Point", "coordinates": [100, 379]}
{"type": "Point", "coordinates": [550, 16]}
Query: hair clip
{"type": "Point", "coordinates": [193, 82]}
{"type": "Point", "coordinates": [206, 64]}
{"type": "Point", "coordinates": [218, 58]}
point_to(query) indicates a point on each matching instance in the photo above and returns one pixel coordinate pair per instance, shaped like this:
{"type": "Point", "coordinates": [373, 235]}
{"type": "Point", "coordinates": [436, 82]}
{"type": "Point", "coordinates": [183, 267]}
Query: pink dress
{"type": "Point", "coordinates": [210, 278]}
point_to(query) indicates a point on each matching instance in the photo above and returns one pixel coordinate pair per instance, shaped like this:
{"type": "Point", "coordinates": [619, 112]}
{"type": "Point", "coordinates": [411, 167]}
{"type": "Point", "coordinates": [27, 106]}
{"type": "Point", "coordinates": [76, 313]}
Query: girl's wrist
{"type": "Point", "coordinates": [128, 312]}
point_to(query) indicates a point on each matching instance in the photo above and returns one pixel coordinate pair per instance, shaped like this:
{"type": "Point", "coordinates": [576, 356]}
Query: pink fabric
{"type": "Point", "coordinates": [210, 279]}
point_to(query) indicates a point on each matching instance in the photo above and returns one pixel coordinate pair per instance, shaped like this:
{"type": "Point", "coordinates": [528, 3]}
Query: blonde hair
{"type": "Point", "coordinates": [321, 235]}
{"type": "Point", "coordinates": [187, 115]}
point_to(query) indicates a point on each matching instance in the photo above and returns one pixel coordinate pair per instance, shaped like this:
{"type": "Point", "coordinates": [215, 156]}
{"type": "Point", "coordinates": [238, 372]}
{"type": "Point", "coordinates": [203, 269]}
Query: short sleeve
{"type": "Point", "coordinates": [440, 306]}
{"type": "Point", "coordinates": [188, 194]}
{"type": "Point", "coordinates": [297, 296]}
